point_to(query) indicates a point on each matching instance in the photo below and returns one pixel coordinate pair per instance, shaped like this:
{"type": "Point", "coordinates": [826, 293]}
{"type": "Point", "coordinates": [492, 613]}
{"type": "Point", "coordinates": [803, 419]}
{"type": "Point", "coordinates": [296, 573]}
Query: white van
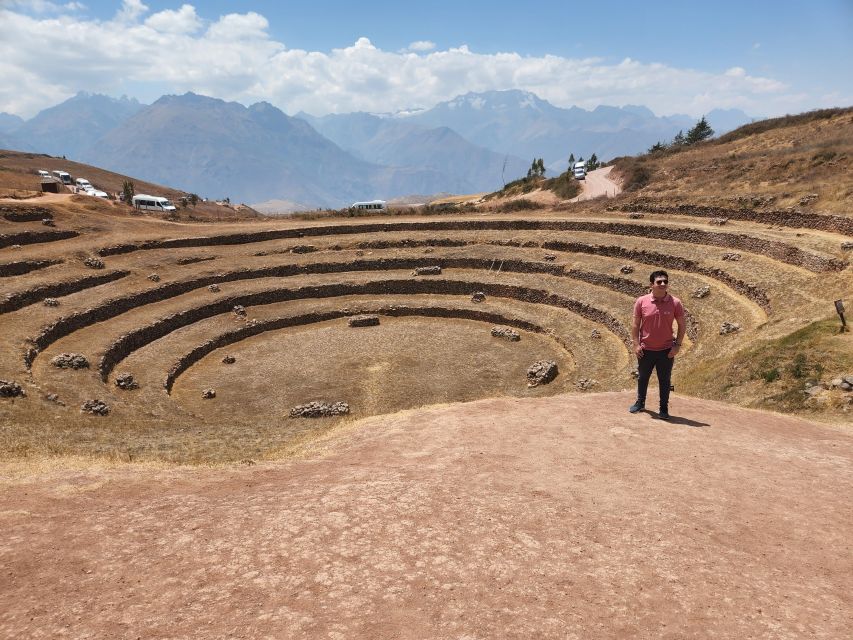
{"type": "Point", "coordinates": [63, 176]}
{"type": "Point", "coordinates": [43, 173]}
{"type": "Point", "coordinates": [83, 184]}
{"type": "Point", "coordinates": [579, 170]}
{"type": "Point", "coordinates": [152, 203]}
{"type": "Point", "coordinates": [375, 205]}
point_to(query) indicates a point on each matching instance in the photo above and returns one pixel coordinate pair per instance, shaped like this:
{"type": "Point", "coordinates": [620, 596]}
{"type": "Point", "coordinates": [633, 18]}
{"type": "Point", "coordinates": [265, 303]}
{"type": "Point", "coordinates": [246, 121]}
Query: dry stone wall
{"type": "Point", "coordinates": [34, 237]}
{"type": "Point", "coordinates": [777, 250]}
{"type": "Point", "coordinates": [247, 331]}
{"type": "Point", "coordinates": [25, 266]}
{"type": "Point", "coordinates": [138, 338]}
{"type": "Point", "coordinates": [14, 301]}
{"type": "Point", "coordinates": [796, 219]}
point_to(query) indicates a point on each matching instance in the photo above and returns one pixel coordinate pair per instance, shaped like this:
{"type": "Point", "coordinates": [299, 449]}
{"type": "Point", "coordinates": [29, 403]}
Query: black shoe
{"type": "Point", "coordinates": [663, 414]}
{"type": "Point", "coordinates": [636, 407]}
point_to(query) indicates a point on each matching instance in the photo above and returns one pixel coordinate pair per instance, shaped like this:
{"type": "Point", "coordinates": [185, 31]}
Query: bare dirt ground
{"type": "Point", "coordinates": [561, 517]}
{"type": "Point", "coordinates": [597, 185]}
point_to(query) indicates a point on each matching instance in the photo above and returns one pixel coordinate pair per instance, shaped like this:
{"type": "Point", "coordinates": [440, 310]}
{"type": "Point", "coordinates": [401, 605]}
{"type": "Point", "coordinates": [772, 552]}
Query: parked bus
{"type": "Point", "coordinates": [152, 203]}
{"type": "Point", "coordinates": [63, 176]}
{"type": "Point", "coordinates": [372, 205]}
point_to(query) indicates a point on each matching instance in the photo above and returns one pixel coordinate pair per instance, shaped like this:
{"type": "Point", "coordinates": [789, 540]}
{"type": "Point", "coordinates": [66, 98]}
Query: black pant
{"type": "Point", "coordinates": [660, 361]}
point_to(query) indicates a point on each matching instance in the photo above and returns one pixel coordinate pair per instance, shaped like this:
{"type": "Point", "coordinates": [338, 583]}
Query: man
{"type": "Point", "coordinates": [651, 332]}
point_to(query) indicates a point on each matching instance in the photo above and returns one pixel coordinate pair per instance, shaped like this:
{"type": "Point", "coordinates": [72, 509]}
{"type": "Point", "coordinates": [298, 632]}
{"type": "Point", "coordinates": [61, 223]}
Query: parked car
{"type": "Point", "coordinates": [44, 174]}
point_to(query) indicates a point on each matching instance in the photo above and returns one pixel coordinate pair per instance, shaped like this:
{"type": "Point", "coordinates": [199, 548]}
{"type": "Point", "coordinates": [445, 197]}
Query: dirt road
{"type": "Point", "coordinates": [563, 517]}
{"type": "Point", "coordinates": [598, 184]}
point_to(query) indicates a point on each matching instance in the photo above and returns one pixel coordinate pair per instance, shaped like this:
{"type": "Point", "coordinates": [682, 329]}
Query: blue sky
{"type": "Point", "coordinates": [764, 57]}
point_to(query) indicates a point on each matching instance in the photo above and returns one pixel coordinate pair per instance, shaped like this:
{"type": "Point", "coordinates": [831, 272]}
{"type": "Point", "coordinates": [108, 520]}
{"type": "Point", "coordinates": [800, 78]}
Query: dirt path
{"type": "Point", "coordinates": [563, 517]}
{"type": "Point", "coordinates": [598, 184]}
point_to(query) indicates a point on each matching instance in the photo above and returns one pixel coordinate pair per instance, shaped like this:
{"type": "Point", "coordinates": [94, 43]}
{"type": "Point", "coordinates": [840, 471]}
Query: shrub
{"type": "Point", "coordinates": [522, 204]}
{"type": "Point", "coordinates": [771, 375]}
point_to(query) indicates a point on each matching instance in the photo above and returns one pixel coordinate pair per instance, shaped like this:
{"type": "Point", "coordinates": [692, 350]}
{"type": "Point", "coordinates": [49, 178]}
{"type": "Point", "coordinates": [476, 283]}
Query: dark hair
{"type": "Point", "coordinates": [658, 274]}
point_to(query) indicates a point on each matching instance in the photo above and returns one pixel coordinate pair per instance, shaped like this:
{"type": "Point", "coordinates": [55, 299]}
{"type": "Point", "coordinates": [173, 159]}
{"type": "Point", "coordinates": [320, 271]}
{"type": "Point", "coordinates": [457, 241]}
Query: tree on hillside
{"type": "Point", "coordinates": [592, 164]}
{"type": "Point", "coordinates": [701, 131]}
{"type": "Point", "coordinates": [678, 140]}
{"type": "Point", "coordinates": [128, 191]}
{"type": "Point", "coordinates": [571, 161]}
{"type": "Point", "coordinates": [657, 146]}
{"type": "Point", "coordinates": [537, 168]}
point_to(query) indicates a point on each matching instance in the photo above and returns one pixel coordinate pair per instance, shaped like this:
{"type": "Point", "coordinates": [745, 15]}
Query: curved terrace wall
{"type": "Point", "coordinates": [138, 338]}
{"type": "Point", "coordinates": [247, 331]}
{"type": "Point", "coordinates": [770, 248]}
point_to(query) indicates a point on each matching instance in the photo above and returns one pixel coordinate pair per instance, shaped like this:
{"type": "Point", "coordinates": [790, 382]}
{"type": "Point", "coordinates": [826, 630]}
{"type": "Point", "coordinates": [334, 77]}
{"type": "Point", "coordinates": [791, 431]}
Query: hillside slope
{"type": "Point", "coordinates": [803, 162]}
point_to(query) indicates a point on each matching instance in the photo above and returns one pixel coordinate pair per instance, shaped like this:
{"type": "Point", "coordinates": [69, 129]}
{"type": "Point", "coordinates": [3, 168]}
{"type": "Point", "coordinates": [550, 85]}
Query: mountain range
{"type": "Point", "coordinates": [254, 154]}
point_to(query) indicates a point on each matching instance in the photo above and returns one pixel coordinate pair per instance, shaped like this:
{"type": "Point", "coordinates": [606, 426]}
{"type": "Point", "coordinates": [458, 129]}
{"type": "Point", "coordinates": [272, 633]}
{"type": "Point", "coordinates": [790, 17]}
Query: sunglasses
{"type": "Point", "coordinates": [661, 281]}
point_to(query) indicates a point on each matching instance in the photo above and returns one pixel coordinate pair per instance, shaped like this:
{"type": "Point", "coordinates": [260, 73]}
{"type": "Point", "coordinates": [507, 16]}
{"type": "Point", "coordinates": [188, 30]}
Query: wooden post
{"type": "Point", "coordinates": [839, 307]}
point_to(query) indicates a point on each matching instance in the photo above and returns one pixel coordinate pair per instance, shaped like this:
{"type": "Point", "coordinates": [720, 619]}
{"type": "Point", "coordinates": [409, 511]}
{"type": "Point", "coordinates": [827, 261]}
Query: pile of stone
{"type": "Point", "coordinates": [702, 292]}
{"type": "Point", "coordinates": [427, 271]}
{"type": "Point", "coordinates": [585, 384]}
{"type": "Point", "coordinates": [239, 310]}
{"type": "Point", "coordinates": [319, 410]}
{"type": "Point", "coordinates": [94, 263]}
{"type": "Point", "coordinates": [125, 381]}
{"type": "Point", "coordinates": [634, 215]}
{"type": "Point", "coordinates": [847, 245]}
{"type": "Point", "coordinates": [95, 407]}
{"type": "Point", "coordinates": [808, 199]}
{"type": "Point", "coordinates": [733, 257]}
{"type": "Point", "coordinates": [549, 257]}
{"type": "Point", "coordinates": [229, 360]}
{"type": "Point", "coordinates": [595, 335]}
{"type": "Point", "coordinates": [478, 296]}
{"type": "Point", "coordinates": [10, 389]}
{"type": "Point", "coordinates": [213, 288]}
{"type": "Point", "coordinates": [208, 394]}
{"type": "Point", "coordinates": [154, 277]}
{"type": "Point", "coordinates": [626, 268]}
{"type": "Point", "coordinates": [70, 361]}
{"type": "Point", "coordinates": [729, 327]}
{"type": "Point", "coordinates": [51, 302]}
{"type": "Point", "coordinates": [303, 248]}
{"type": "Point", "coordinates": [845, 383]}
{"type": "Point", "coordinates": [367, 320]}
{"type": "Point", "coordinates": [506, 333]}
{"type": "Point", "coordinates": [541, 372]}
{"type": "Point", "coordinates": [48, 222]}
{"type": "Point", "coordinates": [718, 221]}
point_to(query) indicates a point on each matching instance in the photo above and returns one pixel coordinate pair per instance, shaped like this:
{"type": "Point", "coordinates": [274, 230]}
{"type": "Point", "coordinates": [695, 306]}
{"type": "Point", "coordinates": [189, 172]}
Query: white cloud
{"type": "Point", "coordinates": [422, 45]}
{"type": "Point", "coordinates": [130, 11]}
{"type": "Point", "coordinates": [184, 20]}
{"type": "Point", "coordinates": [235, 58]}
{"type": "Point", "coordinates": [44, 6]}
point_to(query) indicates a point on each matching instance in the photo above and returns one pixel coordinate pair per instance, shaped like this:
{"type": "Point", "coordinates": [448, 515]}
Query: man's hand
{"type": "Point", "coordinates": [638, 350]}
{"type": "Point", "coordinates": [673, 351]}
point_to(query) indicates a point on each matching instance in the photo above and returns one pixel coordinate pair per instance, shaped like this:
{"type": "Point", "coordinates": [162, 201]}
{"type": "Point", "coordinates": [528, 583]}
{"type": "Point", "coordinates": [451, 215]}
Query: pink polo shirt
{"type": "Point", "coordinates": [656, 318]}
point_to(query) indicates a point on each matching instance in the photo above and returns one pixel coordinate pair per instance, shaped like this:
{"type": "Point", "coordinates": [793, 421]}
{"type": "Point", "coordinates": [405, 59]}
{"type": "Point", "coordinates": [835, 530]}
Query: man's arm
{"type": "Point", "coordinates": [635, 336]}
{"type": "Point", "coordinates": [679, 339]}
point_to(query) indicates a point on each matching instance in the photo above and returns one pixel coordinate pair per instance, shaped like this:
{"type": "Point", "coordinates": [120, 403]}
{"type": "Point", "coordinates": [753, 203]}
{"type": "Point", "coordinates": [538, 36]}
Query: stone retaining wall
{"type": "Point", "coordinates": [753, 293]}
{"type": "Point", "coordinates": [796, 219]}
{"type": "Point", "coordinates": [25, 213]}
{"type": "Point", "coordinates": [25, 266]}
{"type": "Point", "coordinates": [247, 331]}
{"type": "Point", "coordinates": [774, 249]}
{"type": "Point", "coordinates": [138, 338]}
{"type": "Point", "coordinates": [14, 301]}
{"type": "Point", "coordinates": [34, 237]}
